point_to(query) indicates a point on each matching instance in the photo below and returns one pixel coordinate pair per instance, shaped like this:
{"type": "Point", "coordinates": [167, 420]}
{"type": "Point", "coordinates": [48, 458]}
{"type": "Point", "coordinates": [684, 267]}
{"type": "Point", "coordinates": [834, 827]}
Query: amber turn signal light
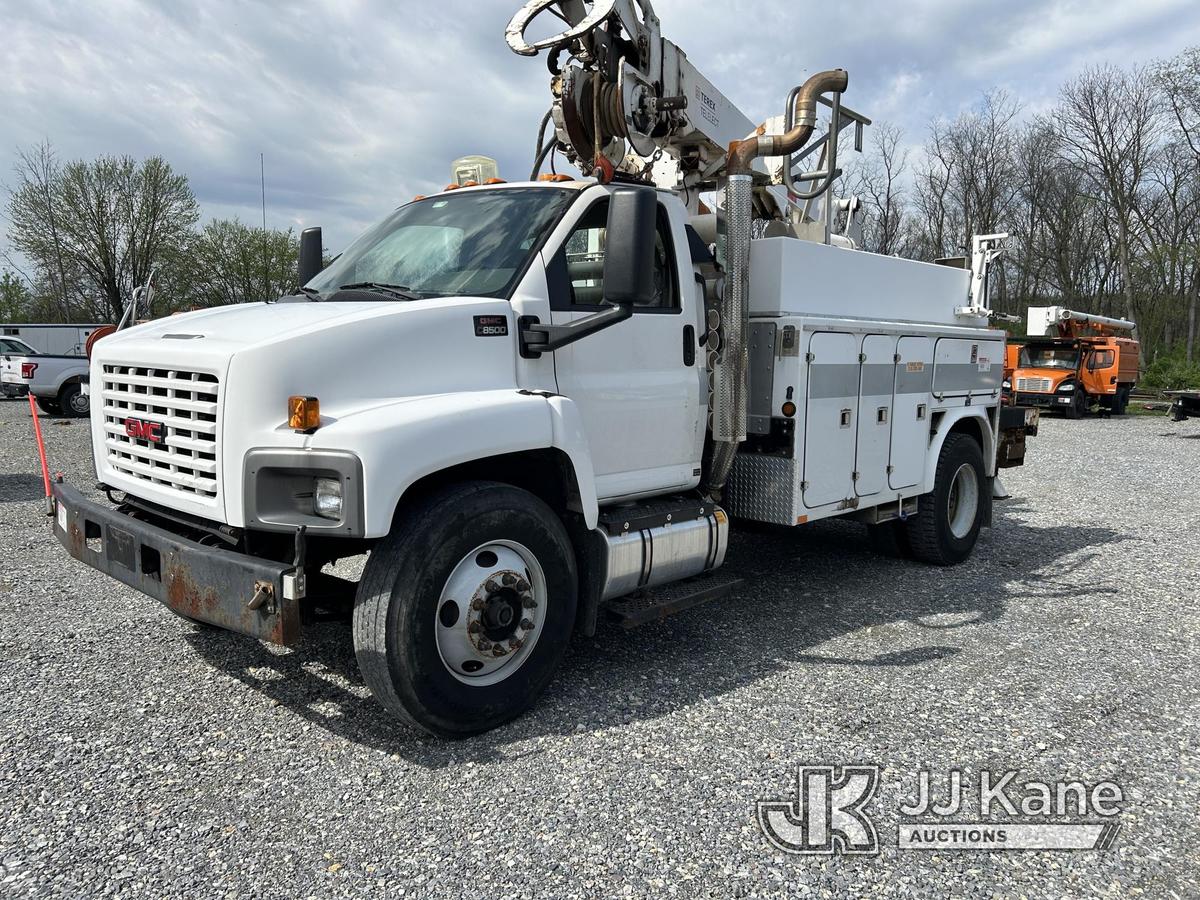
{"type": "Point", "coordinates": [304, 413]}
{"type": "Point", "coordinates": [789, 409]}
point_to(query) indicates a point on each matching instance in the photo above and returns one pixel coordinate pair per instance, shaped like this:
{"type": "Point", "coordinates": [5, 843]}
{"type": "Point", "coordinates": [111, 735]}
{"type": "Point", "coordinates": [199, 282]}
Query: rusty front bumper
{"type": "Point", "coordinates": [210, 584]}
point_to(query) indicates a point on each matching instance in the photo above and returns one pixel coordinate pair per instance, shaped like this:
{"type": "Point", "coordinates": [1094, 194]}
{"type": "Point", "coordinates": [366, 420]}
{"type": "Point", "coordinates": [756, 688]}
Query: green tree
{"type": "Point", "coordinates": [15, 298]}
{"type": "Point", "coordinates": [231, 262]}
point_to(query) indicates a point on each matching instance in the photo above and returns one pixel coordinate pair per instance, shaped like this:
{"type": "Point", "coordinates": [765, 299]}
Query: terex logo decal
{"type": "Point", "coordinates": [491, 326]}
{"type": "Point", "coordinates": [141, 430]}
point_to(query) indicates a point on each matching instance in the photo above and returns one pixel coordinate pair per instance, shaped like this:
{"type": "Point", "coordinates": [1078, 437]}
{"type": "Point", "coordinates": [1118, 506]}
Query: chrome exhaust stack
{"type": "Point", "coordinates": [730, 368]}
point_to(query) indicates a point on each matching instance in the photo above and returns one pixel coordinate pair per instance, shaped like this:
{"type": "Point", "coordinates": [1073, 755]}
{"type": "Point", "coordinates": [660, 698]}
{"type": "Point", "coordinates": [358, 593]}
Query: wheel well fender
{"type": "Point", "coordinates": [531, 440]}
{"type": "Point", "coordinates": [973, 421]}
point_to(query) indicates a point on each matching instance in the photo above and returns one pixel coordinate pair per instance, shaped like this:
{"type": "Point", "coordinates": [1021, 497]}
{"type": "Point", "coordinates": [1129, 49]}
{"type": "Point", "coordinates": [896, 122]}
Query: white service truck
{"type": "Point", "coordinates": [535, 402]}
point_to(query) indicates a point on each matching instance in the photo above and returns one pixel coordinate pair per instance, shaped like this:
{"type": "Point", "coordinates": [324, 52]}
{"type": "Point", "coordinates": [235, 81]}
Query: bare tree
{"type": "Point", "coordinates": [101, 225]}
{"type": "Point", "coordinates": [1108, 122]}
{"type": "Point", "coordinates": [39, 172]}
{"type": "Point", "coordinates": [880, 183]}
{"type": "Point", "coordinates": [1180, 82]}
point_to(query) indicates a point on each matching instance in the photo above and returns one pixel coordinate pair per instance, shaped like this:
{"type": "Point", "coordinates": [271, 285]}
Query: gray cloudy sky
{"type": "Point", "coordinates": [359, 104]}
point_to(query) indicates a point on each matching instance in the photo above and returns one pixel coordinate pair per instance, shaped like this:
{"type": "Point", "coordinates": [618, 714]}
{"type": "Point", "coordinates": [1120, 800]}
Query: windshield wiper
{"type": "Point", "coordinates": [311, 292]}
{"type": "Point", "coordinates": [396, 290]}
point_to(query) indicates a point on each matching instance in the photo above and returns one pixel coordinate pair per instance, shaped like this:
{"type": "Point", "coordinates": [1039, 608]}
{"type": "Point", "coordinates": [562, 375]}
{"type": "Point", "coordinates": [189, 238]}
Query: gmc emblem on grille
{"type": "Point", "coordinates": [145, 431]}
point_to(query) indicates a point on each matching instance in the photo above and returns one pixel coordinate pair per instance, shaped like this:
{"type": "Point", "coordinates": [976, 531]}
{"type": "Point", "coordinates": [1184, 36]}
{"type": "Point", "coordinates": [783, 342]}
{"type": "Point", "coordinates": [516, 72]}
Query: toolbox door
{"type": "Point", "coordinates": [829, 417]}
{"type": "Point", "coordinates": [910, 412]}
{"type": "Point", "coordinates": [876, 382]}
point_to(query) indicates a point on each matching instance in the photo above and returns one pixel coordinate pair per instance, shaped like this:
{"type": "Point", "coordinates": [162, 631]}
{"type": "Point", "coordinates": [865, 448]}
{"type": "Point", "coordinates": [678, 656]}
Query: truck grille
{"type": "Point", "coordinates": [184, 407]}
{"type": "Point", "coordinates": [1034, 385]}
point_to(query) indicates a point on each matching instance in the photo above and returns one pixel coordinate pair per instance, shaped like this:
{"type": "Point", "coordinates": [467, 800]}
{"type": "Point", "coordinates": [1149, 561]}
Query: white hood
{"type": "Point", "coordinates": [352, 356]}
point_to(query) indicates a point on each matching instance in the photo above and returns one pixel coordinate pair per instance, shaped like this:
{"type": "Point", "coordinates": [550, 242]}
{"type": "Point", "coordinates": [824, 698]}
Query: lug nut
{"type": "Point", "coordinates": [477, 603]}
{"type": "Point", "coordinates": [515, 644]}
{"type": "Point", "coordinates": [509, 579]}
{"type": "Point", "coordinates": [498, 651]}
{"type": "Point", "coordinates": [528, 602]}
{"type": "Point", "coordinates": [526, 624]}
{"type": "Point", "coordinates": [474, 628]}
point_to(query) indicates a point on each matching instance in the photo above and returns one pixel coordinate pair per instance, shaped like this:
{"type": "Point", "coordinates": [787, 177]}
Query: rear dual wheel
{"type": "Point", "coordinates": [946, 529]}
{"type": "Point", "coordinates": [944, 532]}
{"type": "Point", "coordinates": [464, 610]}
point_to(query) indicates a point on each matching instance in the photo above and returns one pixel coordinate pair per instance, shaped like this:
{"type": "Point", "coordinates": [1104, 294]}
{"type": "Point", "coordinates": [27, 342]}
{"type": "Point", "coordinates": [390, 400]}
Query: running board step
{"type": "Point", "coordinates": [657, 603]}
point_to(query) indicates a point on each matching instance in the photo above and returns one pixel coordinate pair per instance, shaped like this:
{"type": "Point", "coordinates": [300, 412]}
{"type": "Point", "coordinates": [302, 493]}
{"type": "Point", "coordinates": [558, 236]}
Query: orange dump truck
{"type": "Point", "coordinates": [1074, 361]}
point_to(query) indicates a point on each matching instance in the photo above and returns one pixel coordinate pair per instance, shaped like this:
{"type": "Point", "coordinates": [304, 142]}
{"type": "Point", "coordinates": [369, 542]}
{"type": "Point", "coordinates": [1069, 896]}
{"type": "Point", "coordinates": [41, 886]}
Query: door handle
{"type": "Point", "coordinates": [689, 345]}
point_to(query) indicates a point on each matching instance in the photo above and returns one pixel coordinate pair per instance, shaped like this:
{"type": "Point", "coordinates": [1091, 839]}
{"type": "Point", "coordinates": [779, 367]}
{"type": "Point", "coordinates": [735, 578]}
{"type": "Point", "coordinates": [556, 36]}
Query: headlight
{"type": "Point", "coordinates": [327, 498]}
{"type": "Point", "coordinates": [1006, 384]}
{"type": "Point", "coordinates": [1067, 387]}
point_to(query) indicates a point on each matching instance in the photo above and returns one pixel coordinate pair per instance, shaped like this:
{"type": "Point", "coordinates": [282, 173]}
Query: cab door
{"type": "Point", "coordinates": [638, 383]}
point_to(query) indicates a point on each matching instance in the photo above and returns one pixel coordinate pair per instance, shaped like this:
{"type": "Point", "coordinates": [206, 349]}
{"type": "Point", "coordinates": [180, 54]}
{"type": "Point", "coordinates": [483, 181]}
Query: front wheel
{"type": "Point", "coordinates": [1078, 405]}
{"type": "Point", "coordinates": [1121, 400]}
{"type": "Point", "coordinates": [464, 610]}
{"type": "Point", "coordinates": [944, 532]}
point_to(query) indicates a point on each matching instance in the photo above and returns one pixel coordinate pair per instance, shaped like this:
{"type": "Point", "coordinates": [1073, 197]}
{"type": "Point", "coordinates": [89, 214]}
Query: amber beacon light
{"type": "Point", "coordinates": [304, 413]}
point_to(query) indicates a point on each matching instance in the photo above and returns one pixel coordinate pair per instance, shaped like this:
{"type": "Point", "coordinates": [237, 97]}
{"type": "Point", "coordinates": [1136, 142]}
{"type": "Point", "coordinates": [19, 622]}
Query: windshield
{"type": "Point", "coordinates": [474, 242]}
{"type": "Point", "coordinates": [1049, 357]}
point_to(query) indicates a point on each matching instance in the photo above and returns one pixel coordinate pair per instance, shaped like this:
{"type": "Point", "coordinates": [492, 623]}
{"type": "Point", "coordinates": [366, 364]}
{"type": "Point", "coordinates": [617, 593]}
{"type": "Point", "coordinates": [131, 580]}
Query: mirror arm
{"type": "Point", "coordinates": [537, 338]}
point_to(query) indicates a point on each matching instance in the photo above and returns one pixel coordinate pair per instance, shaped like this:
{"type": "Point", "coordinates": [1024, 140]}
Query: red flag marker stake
{"type": "Point", "coordinates": [37, 433]}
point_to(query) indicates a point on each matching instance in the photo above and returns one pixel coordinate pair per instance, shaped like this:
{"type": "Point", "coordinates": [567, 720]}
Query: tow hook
{"type": "Point", "coordinates": [264, 596]}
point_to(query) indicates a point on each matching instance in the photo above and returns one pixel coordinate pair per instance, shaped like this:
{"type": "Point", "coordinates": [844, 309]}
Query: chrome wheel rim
{"type": "Point", "coordinates": [963, 501]}
{"type": "Point", "coordinates": [491, 612]}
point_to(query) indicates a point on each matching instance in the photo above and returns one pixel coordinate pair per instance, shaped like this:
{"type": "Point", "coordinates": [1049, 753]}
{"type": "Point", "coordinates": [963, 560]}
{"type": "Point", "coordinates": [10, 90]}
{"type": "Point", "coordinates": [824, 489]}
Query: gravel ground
{"type": "Point", "coordinates": [140, 755]}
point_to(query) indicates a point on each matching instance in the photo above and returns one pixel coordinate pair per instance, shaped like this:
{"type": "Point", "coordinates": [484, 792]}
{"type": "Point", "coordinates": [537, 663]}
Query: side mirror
{"type": "Point", "coordinates": [310, 255]}
{"type": "Point", "coordinates": [629, 246]}
{"type": "Point", "coordinates": [628, 274]}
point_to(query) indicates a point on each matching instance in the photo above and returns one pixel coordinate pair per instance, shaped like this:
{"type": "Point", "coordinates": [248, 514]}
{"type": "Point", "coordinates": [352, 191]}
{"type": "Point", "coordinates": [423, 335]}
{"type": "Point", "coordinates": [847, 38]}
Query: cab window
{"type": "Point", "coordinates": [577, 272]}
{"type": "Point", "coordinates": [1101, 359]}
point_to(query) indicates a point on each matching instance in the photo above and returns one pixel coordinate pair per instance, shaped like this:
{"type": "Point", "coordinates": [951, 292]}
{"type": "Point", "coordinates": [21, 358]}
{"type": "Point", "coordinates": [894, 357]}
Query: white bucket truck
{"type": "Point", "coordinates": [534, 402]}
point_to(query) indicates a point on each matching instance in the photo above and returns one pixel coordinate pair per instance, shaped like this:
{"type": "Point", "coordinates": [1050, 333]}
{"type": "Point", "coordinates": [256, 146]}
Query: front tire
{"type": "Point", "coordinates": [1121, 400]}
{"type": "Point", "coordinates": [944, 532]}
{"type": "Point", "coordinates": [465, 609]}
{"type": "Point", "coordinates": [1078, 405]}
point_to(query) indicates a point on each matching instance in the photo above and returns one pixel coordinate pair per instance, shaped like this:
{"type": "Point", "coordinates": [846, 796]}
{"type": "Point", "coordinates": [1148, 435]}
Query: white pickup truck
{"type": "Point", "coordinates": [534, 402]}
{"type": "Point", "coordinates": [58, 383]}
{"type": "Point", "coordinates": [12, 346]}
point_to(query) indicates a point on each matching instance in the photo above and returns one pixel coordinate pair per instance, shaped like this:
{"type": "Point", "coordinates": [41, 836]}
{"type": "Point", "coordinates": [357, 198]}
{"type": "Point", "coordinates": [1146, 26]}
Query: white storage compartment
{"type": "Point", "coordinates": [799, 277]}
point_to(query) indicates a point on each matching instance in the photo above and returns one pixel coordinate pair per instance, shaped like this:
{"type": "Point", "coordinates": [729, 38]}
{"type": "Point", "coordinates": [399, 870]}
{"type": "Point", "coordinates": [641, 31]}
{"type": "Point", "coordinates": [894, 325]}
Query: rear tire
{"type": "Point", "coordinates": [890, 539]}
{"type": "Point", "coordinates": [465, 609]}
{"type": "Point", "coordinates": [73, 402]}
{"type": "Point", "coordinates": [49, 407]}
{"type": "Point", "coordinates": [945, 530]}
